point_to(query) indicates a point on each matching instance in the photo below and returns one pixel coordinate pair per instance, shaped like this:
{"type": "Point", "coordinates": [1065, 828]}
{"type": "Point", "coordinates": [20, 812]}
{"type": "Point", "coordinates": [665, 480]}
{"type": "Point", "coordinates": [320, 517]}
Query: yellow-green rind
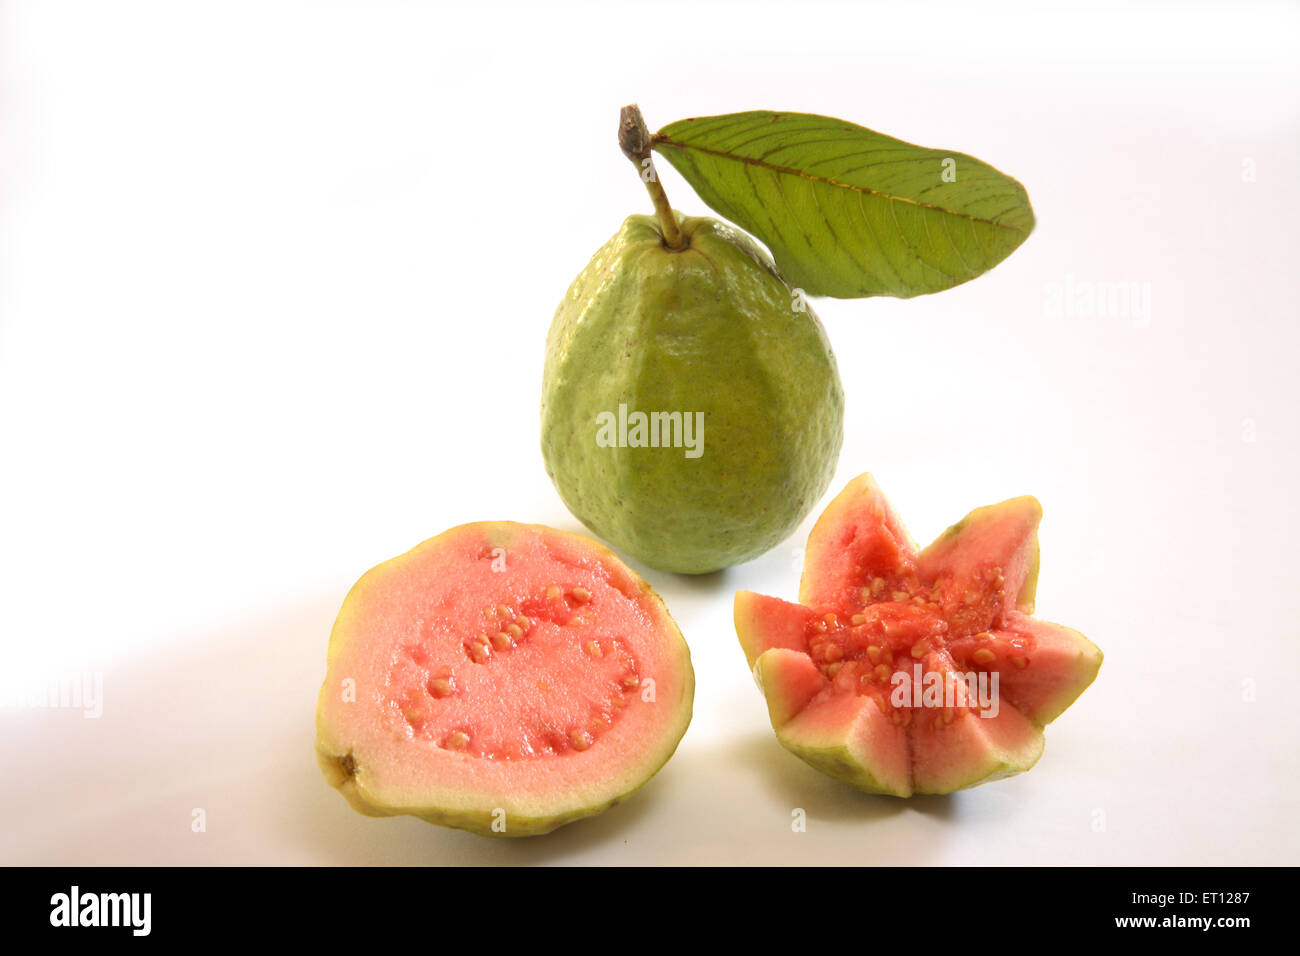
{"type": "Point", "coordinates": [998, 770]}
{"type": "Point", "coordinates": [997, 763]}
{"type": "Point", "coordinates": [839, 762]}
{"type": "Point", "coordinates": [479, 822]}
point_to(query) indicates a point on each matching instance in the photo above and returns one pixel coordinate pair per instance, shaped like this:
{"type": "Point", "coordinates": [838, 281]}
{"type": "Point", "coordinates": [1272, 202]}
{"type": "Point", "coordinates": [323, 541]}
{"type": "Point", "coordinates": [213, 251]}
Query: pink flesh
{"type": "Point", "coordinates": [545, 691]}
{"type": "Point", "coordinates": [766, 622]}
{"type": "Point", "coordinates": [1041, 667]}
{"type": "Point", "coordinates": [1003, 536]}
{"type": "Point", "coordinates": [859, 536]}
{"type": "Point", "coordinates": [548, 699]}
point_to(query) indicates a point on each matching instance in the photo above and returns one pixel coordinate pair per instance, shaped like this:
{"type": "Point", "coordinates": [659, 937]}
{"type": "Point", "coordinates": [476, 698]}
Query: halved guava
{"type": "Point", "coordinates": [906, 672]}
{"type": "Point", "coordinates": [502, 678]}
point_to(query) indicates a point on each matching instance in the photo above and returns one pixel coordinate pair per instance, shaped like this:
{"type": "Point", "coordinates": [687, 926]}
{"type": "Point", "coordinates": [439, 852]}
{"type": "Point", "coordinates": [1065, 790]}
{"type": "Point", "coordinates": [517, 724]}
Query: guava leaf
{"type": "Point", "coordinates": [846, 211]}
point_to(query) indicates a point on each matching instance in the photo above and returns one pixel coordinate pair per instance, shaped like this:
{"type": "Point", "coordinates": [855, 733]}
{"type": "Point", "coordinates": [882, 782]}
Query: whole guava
{"type": "Point", "coordinates": [692, 411]}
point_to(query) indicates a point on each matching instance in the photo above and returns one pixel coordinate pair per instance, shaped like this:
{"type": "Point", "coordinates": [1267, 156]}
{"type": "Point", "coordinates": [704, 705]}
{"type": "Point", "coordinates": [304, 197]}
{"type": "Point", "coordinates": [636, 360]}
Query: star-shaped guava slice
{"type": "Point", "coordinates": [903, 671]}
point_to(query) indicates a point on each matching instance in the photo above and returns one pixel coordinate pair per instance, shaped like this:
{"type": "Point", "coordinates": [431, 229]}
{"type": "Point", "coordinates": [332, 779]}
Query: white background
{"type": "Point", "coordinates": [275, 280]}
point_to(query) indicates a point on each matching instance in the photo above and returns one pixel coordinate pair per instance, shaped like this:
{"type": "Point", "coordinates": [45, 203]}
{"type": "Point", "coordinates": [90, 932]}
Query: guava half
{"type": "Point", "coordinates": [905, 672]}
{"type": "Point", "coordinates": [692, 411]}
{"type": "Point", "coordinates": [501, 678]}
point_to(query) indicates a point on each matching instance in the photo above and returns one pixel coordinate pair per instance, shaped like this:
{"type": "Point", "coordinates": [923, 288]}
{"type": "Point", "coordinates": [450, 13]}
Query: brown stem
{"type": "Point", "coordinates": [634, 140]}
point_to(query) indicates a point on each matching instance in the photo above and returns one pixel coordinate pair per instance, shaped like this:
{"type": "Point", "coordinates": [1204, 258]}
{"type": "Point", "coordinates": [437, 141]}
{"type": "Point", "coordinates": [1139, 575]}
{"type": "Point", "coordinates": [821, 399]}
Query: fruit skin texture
{"type": "Point", "coordinates": [871, 606]}
{"type": "Point", "coordinates": [415, 613]}
{"type": "Point", "coordinates": [709, 329]}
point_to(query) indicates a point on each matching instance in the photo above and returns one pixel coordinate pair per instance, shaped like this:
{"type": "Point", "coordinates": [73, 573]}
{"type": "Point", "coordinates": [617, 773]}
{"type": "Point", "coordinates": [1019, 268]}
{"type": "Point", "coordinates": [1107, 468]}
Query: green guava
{"type": "Point", "coordinates": [692, 411]}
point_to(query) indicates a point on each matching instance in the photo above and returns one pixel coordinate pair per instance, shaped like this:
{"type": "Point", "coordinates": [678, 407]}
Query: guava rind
{"type": "Point", "coordinates": [475, 820]}
{"type": "Point", "coordinates": [708, 329]}
{"type": "Point", "coordinates": [848, 739]}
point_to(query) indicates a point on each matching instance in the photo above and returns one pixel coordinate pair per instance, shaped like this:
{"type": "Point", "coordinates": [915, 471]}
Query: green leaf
{"type": "Point", "coordinates": [846, 211]}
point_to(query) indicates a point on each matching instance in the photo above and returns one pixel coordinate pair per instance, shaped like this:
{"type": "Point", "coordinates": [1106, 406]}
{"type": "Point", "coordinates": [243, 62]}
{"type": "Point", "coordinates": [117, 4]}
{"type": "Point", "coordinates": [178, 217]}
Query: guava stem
{"type": "Point", "coordinates": [634, 140]}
